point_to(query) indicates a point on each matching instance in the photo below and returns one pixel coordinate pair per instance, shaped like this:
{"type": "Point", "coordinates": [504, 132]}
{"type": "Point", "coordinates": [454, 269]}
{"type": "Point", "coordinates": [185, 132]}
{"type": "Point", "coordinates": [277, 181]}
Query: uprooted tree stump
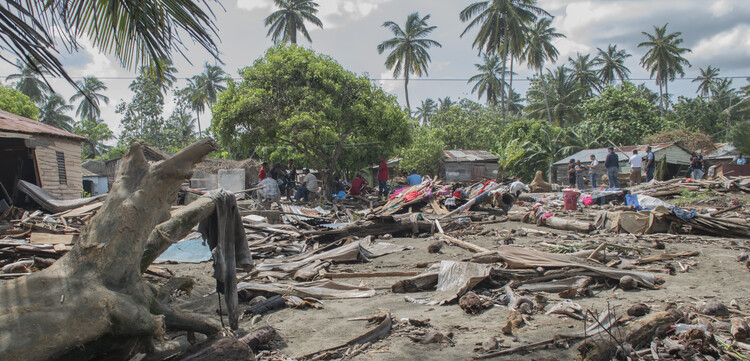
{"type": "Point", "coordinates": [94, 297]}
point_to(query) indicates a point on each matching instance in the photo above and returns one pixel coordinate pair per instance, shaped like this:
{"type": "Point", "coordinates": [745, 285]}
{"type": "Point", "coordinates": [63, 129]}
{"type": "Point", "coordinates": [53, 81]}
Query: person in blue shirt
{"type": "Point", "coordinates": [612, 163]}
{"type": "Point", "coordinates": [414, 179]}
{"type": "Point", "coordinates": [650, 164]}
{"type": "Point", "coordinates": [741, 160]}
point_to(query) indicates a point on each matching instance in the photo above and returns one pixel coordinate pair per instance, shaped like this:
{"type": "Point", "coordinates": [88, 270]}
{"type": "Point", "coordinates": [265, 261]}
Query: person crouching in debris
{"type": "Point", "coordinates": [579, 175]}
{"type": "Point", "coordinates": [339, 190]}
{"type": "Point", "coordinates": [358, 184]}
{"type": "Point", "coordinates": [309, 185]}
{"type": "Point", "coordinates": [270, 190]}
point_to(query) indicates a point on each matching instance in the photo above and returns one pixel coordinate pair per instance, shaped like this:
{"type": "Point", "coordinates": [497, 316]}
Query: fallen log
{"type": "Point", "coordinates": [462, 244]}
{"type": "Point", "coordinates": [556, 223]}
{"type": "Point", "coordinates": [259, 336]}
{"type": "Point", "coordinates": [369, 274]}
{"type": "Point", "coordinates": [96, 292]}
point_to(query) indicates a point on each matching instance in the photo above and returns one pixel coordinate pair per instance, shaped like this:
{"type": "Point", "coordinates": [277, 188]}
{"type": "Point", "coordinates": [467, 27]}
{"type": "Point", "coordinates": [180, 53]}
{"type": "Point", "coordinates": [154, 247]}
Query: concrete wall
{"type": "Point", "coordinates": [45, 149]}
{"type": "Point", "coordinates": [101, 185]}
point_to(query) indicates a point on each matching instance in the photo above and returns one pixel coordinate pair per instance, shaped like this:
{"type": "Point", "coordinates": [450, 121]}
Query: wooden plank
{"type": "Point", "coordinates": [83, 210]}
{"type": "Point", "coordinates": [48, 238]}
{"type": "Point", "coordinates": [370, 274]}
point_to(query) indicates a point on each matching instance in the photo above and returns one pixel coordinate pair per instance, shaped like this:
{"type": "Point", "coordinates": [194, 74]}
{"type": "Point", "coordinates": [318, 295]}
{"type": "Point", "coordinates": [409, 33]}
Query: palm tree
{"type": "Point", "coordinates": [612, 63]}
{"type": "Point", "coordinates": [706, 80]}
{"type": "Point", "coordinates": [409, 46]}
{"type": "Point", "coordinates": [134, 32]}
{"type": "Point", "coordinates": [488, 80]}
{"type": "Point", "coordinates": [290, 18]}
{"type": "Point", "coordinates": [29, 82]}
{"type": "Point", "coordinates": [203, 89]}
{"type": "Point", "coordinates": [664, 59]}
{"type": "Point", "coordinates": [563, 96]}
{"type": "Point", "coordinates": [425, 111]}
{"type": "Point", "coordinates": [52, 112]}
{"type": "Point", "coordinates": [539, 49]}
{"type": "Point", "coordinates": [445, 104]}
{"type": "Point", "coordinates": [515, 103]}
{"type": "Point", "coordinates": [89, 92]}
{"type": "Point", "coordinates": [583, 73]}
{"type": "Point", "coordinates": [500, 22]}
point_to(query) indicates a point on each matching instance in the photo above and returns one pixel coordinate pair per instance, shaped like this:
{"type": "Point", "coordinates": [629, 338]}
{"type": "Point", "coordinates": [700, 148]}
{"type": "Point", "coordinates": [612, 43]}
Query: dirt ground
{"type": "Point", "coordinates": [712, 275]}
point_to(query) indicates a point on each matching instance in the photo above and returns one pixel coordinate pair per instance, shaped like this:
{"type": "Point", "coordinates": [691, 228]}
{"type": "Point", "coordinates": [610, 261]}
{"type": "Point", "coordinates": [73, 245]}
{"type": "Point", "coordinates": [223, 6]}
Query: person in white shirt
{"type": "Point", "coordinates": [592, 171]}
{"type": "Point", "coordinates": [309, 185]}
{"type": "Point", "coordinates": [636, 162]}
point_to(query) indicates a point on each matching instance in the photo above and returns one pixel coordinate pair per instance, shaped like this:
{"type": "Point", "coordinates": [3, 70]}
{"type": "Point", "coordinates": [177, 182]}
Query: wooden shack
{"type": "Point", "coordinates": [468, 165]}
{"type": "Point", "coordinates": [677, 158]}
{"type": "Point", "coordinates": [40, 154]}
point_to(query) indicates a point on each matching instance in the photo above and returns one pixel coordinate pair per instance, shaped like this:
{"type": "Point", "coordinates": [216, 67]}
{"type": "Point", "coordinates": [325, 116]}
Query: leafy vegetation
{"type": "Point", "coordinates": [13, 101]}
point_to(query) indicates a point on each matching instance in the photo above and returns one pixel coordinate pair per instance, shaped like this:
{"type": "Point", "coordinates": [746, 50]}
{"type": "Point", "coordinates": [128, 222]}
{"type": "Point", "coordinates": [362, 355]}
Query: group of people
{"type": "Point", "coordinates": [576, 169]}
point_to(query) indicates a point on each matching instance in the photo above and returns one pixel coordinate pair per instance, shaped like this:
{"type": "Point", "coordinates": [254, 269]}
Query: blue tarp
{"type": "Point", "coordinates": [188, 251]}
{"type": "Point", "coordinates": [632, 200]}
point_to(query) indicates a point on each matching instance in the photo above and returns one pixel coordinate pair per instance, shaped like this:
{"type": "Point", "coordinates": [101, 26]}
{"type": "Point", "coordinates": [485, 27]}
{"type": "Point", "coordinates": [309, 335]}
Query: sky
{"type": "Point", "coordinates": [717, 31]}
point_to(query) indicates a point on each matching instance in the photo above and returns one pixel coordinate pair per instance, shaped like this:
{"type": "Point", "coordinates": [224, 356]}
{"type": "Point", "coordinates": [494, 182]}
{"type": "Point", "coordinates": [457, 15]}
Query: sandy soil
{"type": "Point", "coordinates": [714, 274]}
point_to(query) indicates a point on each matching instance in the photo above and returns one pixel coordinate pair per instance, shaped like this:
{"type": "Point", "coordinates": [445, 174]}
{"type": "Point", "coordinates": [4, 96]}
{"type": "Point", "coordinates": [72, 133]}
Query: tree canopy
{"type": "Point", "coordinates": [15, 102]}
{"type": "Point", "coordinates": [295, 98]}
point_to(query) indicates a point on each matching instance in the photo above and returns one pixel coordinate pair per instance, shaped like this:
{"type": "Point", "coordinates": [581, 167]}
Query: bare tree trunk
{"type": "Point", "coordinates": [661, 100]}
{"type": "Point", "coordinates": [502, 75]}
{"type": "Point", "coordinates": [406, 91]}
{"type": "Point", "coordinates": [95, 293]}
{"type": "Point", "coordinates": [546, 101]}
{"type": "Point", "coordinates": [510, 86]}
{"type": "Point", "coordinates": [198, 114]}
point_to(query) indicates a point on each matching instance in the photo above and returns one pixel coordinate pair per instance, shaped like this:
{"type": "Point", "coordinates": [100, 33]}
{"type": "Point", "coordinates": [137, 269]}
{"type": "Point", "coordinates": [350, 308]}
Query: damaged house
{"type": "Point", "coordinates": [40, 154]}
{"type": "Point", "coordinates": [468, 165]}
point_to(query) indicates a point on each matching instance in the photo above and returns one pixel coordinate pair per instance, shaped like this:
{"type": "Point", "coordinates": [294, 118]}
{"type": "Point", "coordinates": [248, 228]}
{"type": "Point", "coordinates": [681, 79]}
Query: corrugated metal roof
{"type": "Point", "coordinates": [723, 151]}
{"type": "Point", "coordinates": [10, 122]}
{"type": "Point", "coordinates": [461, 155]}
{"type": "Point", "coordinates": [601, 153]}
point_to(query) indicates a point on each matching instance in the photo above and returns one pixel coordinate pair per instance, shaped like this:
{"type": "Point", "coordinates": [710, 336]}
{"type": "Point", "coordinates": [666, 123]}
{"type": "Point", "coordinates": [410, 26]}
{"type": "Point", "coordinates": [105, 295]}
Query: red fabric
{"type": "Point", "coordinates": [458, 193]}
{"type": "Point", "coordinates": [262, 175]}
{"type": "Point", "coordinates": [357, 185]}
{"type": "Point", "coordinates": [411, 196]}
{"type": "Point", "coordinates": [383, 171]}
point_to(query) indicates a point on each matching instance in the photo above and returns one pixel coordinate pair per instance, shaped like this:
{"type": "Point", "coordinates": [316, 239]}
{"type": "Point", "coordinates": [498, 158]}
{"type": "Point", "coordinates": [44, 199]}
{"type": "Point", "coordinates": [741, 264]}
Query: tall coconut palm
{"type": "Point", "coordinates": [89, 92]}
{"type": "Point", "coordinates": [445, 104]}
{"type": "Point", "coordinates": [706, 80]}
{"type": "Point", "coordinates": [539, 49]}
{"type": "Point", "coordinates": [409, 55]}
{"type": "Point", "coordinates": [664, 59]}
{"type": "Point", "coordinates": [488, 79]}
{"type": "Point", "coordinates": [425, 111]}
{"type": "Point", "coordinates": [52, 112]}
{"type": "Point", "coordinates": [584, 74]}
{"type": "Point", "coordinates": [612, 63]}
{"type": "Point", "coordinates": [500, 22]}
{"type": "Point", "coordinates": [515, 103]}
{"type": "Point", "coordinates": [563, 94]}
{"type": "Point", "coordinates": [203, 89]}
{"type": "Point", "coordinates": [290, 19]}
{"type": "Point", "coordinates": [28, 80]}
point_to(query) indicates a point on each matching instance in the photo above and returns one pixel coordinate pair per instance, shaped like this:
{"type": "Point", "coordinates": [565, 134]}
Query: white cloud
{"type": "Point", "coordinates": [735, 42]}
{"type": "Point", "coordinates": [251, 5]}
{"type": "Point", "coordinates": [333, 13]}
{"type": "Point", "coordinates": [722, 7]}
{"type": "Point", "coordinates": [390, 86]}
{"type": "Point", "coordinates": [100, 65]}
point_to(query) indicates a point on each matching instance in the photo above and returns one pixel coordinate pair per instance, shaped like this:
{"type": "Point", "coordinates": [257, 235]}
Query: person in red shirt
{"type": "Point", "coordinates": [383, 178]}
{"type": "Point", "coordinates": [358, 183]}
{"type": "Point", "coordinates": [262, 175]}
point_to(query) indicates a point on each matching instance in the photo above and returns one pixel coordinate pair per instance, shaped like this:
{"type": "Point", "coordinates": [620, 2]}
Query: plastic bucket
{"type": "Point", "coordinates": [570, 199]}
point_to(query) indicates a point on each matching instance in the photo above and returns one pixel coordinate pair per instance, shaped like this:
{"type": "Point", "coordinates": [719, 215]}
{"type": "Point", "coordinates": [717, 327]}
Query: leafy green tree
{"type": "Point", "coordinates": [539, 49]}
{"type": "Point", "coordinates": [664, 59]}
{"type": "Point", "coordinates": [180, 127]}
{"type": "Point", "coordinates": [29, 80]}
{"type": "Point", "coordinates": [612, 65]}
{"type": "Point", "coordinates": [537, 142]}
{"type": "Point", "coordinates": [142, 116]}
{"type": "Point", "coordinates": [620, 115]}
{"type": "Point", "coordinates": [502, 27]}
{"type": "Point", "coordinates": [698, 115]}
{"type": "Point", "coordinates": [558, 91]}
{"type": "Point", "coordinates": [13, 101]}
{"type": "Point", "coordinates": [425, 155]}
{"type": "Point", "coordinates": [706, 80]}
{"type": "Point", "coordinates": [515, 103]}
{"type": "Point", "coordinates": [52, 112]}
{"type": "Point", "coordinates": [97, 132]}
{"type": "Point", "coordinates": [444, 104]}
{"type": "Point", "coordinates": [135, 32]}
{"type": "Point", "coordinates": [89, 93]}
{"type": "Point", "coordinates": [487, 81]}
{"type": "Point", "coordinates": [425, 111]}
{"type": "Point", "coordinates": [740, 137]}
{"type": "Point", "coordinates": [582, 72]}
{"type": "Point", "coordinates": [409, 54]}
{"type": "Point", "coordinates": [290, 19]}
{"type": "Point", "coordinates": [323, 111]}
{"type": "Point", "coordinates": [468, 125]}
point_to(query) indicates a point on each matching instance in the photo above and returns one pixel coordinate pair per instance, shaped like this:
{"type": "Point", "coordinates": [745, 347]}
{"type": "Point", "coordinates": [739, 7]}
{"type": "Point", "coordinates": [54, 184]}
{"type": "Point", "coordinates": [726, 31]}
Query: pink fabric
{"type": "Point", "coordinates": [587, 201]}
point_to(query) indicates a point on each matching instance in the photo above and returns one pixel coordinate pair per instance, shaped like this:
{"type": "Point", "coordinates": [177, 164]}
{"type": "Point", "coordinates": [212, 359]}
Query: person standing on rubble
{"type": "Point", "coordinates": [579, 175]}
{"type": "Point", "coordinates": [309, 185]}
{"type": "Point", "coordinates": [278, 174]}
{"type": "Point", "coordinates": [592, 170]}
{"type": "Point", "coordinates": [263, 173]}
{"type": "Point", "coordinates": [291, 178]}
{"type": "Point", "coordinates": [696, 165]}
{"type": "Point", "coordinates": [612, 163]}
{"type": "Point", "coordinates": [572, 173]}
{"type": "Point", "coordinates": [650, 164]}
{"type": "Point", "coordinates": [383, 178]}
{"type": "Point", "coordinates": [636, 162]}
